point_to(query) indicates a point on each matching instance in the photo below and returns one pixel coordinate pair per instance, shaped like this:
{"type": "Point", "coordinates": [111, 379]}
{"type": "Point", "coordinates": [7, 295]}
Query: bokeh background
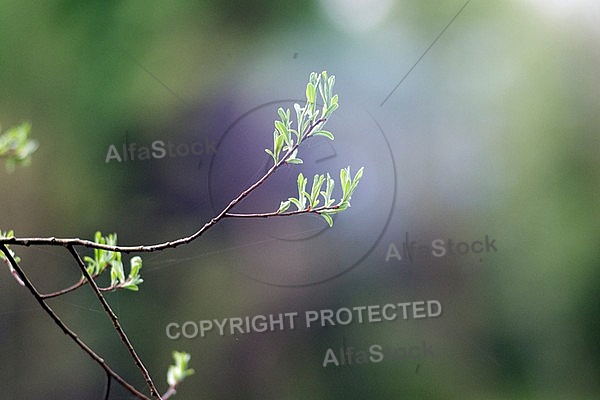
{"type": "Point", "coordinates": [494, 132]}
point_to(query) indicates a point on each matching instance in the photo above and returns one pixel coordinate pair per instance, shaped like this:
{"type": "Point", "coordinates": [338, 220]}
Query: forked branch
{"type": "Point", "coordinates": [318, 200]}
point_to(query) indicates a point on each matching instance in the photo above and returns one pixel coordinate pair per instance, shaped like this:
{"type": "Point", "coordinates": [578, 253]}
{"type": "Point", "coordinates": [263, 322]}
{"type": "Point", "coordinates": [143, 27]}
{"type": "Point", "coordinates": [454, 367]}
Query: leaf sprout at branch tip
{"type": "Point", "coordinates": [104, 258]}
{"type": "Point", "coordinates": [178, 372]}
{"type": "Point", "coordinates": [309, 123]}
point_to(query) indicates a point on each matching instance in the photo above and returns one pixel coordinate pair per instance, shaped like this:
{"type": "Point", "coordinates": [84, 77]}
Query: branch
{"type": "Point", "coordinates": [70, 243]}
{"type": "Point", "coordinates": [318, 210]}
{"type": "Point", "coordinates": [67, 331]}
{"type": "Point", "coordinates": [282, 141]}
{"type": "Point", "coordinates": [76, 286]}
{"type": "Point", "coordinates": [108, 382]}
{"type": "Point", "coordinates": [52, 241]}
{"type": "Point", "coordinates": [115, 322]}
{"type": "Point", "coordinates": [170, 392]}
{"type": "Point", "coordinates": [64, 291]}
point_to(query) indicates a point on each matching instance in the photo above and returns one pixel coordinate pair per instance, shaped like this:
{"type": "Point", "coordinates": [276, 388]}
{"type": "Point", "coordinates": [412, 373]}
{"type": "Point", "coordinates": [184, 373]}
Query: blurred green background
{"type": "Point", "coordinates": [495, 132]}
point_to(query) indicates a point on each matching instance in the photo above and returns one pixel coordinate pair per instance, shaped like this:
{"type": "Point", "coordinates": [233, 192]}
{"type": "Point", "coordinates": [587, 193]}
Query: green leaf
{"type": "Point", "coordinates": [348, 184]}
{"type": "Point", "coordinates": [300, 119]}
{"type": "Point", "coordinates": [283, 131]}
{"type": "Point", "coordinates": [98, 239]}
{"type": "Point", "coordinates": [114, 277]}
{"type": "Point", "coordinates": [328, 201]}
{"type": "Point", "coordinates": [352, 185]}
{"type": "Point", "coordinates": [294, 161]}
{"type": "Point", "coordinates": [279, 145]}
{"type": "Point", "coordinates": [117, 275]}
{"type": "Point", "coordinates": [92, 266]}
{"type": "Point", "coordinates": [281, 113]}
{"type": "Point", "coordinates": [345, 181]}
{"type": "Point", "coordinates": [136, 265]}
{"type": "Point", "coordinates": [134, 279]}
{"type": "Point", "coordinates": [284, 206]}
{"type": "Point", "coordinates": [323, 94]}
{"type": "Point", "coordinates": [305, 125]}
{"type": "Point", "coordinates": [269, 152]}
{"type": "Point", "coordinates": [302, 190]}
{"type": "Point", "coordinates": [327, 134]}
{"type": "Point", "coordinates": [327, 218]}
{"type": "Point", "coordinates": [330, 110]}
{"type": "Point", "coordinates": [297, 203]}
{"type": "Point", "coordinates": [130, 286]}
{"type": "Point", "coordinates": [330, 83]}
{"type": "Point", "coordinates": [356, 179]}
{"type": "Point", "coordinates": [298, 109]}
{"type": "Point", "coordinates": [318, 181]}
{"type": "Point", "coordinates": [310, 93]}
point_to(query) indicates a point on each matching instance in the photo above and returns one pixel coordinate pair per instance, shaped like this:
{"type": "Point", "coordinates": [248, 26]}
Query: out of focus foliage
{"type": "Point", "coordinates": [16, 147]}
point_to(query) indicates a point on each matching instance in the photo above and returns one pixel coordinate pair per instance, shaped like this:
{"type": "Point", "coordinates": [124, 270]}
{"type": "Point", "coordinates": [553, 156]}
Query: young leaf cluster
{"type": "Point", "coordinates": [309, 120]}
{"type": "Point", "coordinates": [307, 201]}
{"type": "Point", "coordinates": [16, 147]}
{"type": "Point", "coordinates": [349, 185]}
{"type": "Point", "coordinates": [105, 258]}
{"type": "Point", "coordinates": [178, 372]}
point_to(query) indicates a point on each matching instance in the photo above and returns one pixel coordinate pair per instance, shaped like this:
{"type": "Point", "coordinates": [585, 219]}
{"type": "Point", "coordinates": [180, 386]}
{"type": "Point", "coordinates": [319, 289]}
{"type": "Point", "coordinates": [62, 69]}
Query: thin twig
{"type": "Point", "coordinates": [115, 322]}
{"type": "Point", "coordinates": [316, 210]}
{"type": "Point", "coordinates": [63, 291]}
{"type": "Point", "coordinates": [52, 241]}
{"type": "Point", "coordinates": [170, 392]}
{"type": "Point", "coordinates": [108, 382]}
{"type": "Point", "coordinates": [73, 288]}
{"type": "Point", "coordinates": [67, 331]}
{"type": "Point", "coordinates": [76, 286]}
